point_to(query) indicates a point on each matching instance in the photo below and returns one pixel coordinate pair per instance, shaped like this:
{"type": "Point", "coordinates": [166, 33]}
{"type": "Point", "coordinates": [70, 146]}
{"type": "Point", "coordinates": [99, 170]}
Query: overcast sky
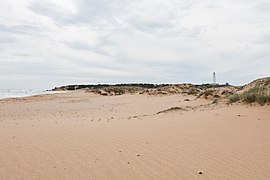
{"type": "Point", "coordinates": [47, 43]}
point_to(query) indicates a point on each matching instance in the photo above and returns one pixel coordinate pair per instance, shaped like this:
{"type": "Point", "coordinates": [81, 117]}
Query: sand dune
{"type": "Point", "coordinates": [80, 135]}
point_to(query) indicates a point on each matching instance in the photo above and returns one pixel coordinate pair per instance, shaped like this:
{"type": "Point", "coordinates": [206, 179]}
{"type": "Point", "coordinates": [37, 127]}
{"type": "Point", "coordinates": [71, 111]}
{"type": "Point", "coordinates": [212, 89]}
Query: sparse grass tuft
{"type": "Point", "coordinates": [170, 110]}
{"type": "Point", "coordinates": [206, 93]}
{"type": "Point", "coordinates": [193, 91]}
{"type": "Point", "coordinates": [215, 101]}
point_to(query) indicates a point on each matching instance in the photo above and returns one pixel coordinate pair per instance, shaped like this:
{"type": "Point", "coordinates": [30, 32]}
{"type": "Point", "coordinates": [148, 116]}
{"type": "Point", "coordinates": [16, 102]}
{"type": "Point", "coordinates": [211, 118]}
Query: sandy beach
{"type": "Point", "coordinates": [134, 90]}
{"type": "Point", "coordinates": [80, 135]}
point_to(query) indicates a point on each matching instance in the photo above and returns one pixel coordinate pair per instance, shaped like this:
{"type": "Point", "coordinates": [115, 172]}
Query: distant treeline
{"type": "Point", "coordinates": [99, 86]}
{"type": "Point", "coordinates": [140, 85]}
{"type": "Point", "coordinates": [205, 86]}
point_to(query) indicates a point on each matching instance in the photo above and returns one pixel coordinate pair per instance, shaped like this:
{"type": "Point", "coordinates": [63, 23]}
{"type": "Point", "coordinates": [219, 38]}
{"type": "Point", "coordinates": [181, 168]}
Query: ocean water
{"type": "Point", "coordinates": [12, 93]}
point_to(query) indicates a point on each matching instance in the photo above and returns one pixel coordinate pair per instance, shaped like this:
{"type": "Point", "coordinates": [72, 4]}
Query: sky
{"type": "Point", "coordinates": [48, 43]}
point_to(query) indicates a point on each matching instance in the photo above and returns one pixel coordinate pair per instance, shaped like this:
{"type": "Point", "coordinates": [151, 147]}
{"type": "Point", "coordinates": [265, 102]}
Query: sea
{"type": "Point", "coordinates": [12, 93]}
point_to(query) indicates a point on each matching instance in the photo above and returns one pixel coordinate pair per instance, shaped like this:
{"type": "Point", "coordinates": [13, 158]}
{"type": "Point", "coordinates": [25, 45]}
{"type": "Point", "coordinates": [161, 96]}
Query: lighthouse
{"type": "Point", "coordinates": [214, 78]}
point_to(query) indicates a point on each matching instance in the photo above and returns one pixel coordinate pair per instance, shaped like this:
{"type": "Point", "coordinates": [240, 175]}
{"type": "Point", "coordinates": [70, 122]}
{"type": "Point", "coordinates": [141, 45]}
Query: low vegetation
{"type": "Point", "coordinates": [207, 93]}
{"type": "Point", "coordinates": [257, 91]}
{"type": "Point", "coordinates": [170, 110]}
{"type": "Point", "coordinates": [260, 95]}
{"type": "Point", "coordinates": [234, 98]}
{"type": "Point", "coordinates": [215, 101]}
{"type": "Point", "coordinates": [114, 90]}
{"type": "Point", "coordinates": [193, 91]}
{"type": "Point", "coordinates": [257, 94]}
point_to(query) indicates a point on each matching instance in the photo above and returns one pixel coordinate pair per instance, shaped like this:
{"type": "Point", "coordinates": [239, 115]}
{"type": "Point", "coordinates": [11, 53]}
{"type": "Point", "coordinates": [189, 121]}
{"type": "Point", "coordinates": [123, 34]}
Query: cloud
{"type": "Point", "coordinates": [115, 41]}
{"type": "Point", "coordinates": [4, 39]}
{"type": "Point", "coordinates": [264, 39]}
{"type": "Point", "coordinates": [85, 46]}
{"type": "Point", "coordinates": [84, 11]}
{"type": "Point", "coordinates": [263, 7]}
{"type": "Point", "coordinates": [51, 10]}
{"type": "Point", "coordinates": [20, 29]}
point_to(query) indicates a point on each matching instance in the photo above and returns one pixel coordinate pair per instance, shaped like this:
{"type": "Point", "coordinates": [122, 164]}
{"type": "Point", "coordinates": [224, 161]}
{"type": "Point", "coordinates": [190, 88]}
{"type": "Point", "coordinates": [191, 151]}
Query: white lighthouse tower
{"type": "Point", "coordinates": [214, 78]}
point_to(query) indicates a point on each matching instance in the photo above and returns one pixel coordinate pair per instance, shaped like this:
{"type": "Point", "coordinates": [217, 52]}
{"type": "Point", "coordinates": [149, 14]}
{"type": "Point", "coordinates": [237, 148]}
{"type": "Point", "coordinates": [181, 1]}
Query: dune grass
{"type": "Point", "coordinates": [234, 98]}
{"type": "Point", "coordinates": [260, 95]}
{"type": "Point", "coordinates": [170, 110]}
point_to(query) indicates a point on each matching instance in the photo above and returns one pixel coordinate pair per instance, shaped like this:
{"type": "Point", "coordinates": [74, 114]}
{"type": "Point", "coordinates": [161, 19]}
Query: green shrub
{"type": "Point", "coordinates": [234, 98]}
{"type": "Point", "coordinates": [249, 97]}
{"type": "Point", "coordinates": [256, 94]}
{"type": "Point", "coordinates": [262, 99]}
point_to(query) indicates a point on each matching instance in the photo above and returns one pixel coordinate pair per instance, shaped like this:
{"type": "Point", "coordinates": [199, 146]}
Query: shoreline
{"type": "Point", "coordinates": [43, 92]}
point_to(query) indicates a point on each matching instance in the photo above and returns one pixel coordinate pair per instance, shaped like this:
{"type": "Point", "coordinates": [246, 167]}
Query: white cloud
{"type": "Point", "coordinates": [103, 41]}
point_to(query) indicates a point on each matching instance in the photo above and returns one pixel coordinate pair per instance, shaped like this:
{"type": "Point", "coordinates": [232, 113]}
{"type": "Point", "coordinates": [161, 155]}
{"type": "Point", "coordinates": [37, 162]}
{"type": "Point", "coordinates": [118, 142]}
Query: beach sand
{"type": "Point", "coordinates": [80, 135]}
